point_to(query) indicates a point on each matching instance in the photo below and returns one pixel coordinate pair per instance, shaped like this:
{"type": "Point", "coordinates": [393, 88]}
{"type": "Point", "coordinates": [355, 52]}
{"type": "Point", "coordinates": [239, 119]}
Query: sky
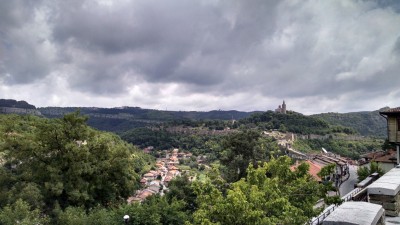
{"type": "Point", "coordinates": [318, 56]}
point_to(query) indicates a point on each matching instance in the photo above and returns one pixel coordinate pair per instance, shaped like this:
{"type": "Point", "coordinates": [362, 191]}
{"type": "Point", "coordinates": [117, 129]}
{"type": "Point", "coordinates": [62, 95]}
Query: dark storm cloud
{"type": "Point", "coordinates": [273, 49]}
{"type": "Point", "coordinates": [174, 41]}
{"type": "Point", "coordinates": [23, 52]}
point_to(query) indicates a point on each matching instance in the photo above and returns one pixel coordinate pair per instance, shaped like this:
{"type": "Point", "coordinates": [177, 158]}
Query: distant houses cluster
{"type": "Point", "coordinates": [156, 181]}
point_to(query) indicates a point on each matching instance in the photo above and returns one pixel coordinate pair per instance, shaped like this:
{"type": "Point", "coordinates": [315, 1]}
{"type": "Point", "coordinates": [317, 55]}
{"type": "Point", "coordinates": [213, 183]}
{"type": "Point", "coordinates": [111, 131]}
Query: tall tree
{"type": "Point", "coordinates": [270, 194]}
{"type": "Point", "coordinates": [242, 148]}
{"type": "Point", "coordinates": [72, 164]}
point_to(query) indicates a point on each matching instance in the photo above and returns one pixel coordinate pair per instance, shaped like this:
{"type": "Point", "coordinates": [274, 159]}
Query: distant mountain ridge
{"type": "Point", "coordinates": [11, 103]}
{"type": "Point", "coordinates": [125, 118]}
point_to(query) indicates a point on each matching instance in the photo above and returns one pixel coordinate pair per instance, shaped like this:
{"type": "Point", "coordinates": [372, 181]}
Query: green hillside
{"type": "Point", "coordinates": [294, 122]}
{"type": "Point", "coordinates": [365, 123]}
{"type": "Point", "coordinates": [15, 104]}
{"type": "Point", "coordinates": [125, 118]}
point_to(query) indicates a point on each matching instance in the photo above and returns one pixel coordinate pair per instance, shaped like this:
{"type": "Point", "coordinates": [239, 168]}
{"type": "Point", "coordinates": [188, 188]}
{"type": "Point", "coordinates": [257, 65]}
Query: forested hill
{"type": "Point", "coordinates": [365, 123]}
{"type": "Point", "coordinates": [294, 122]}
{"type": "Point", "coordinates": [10, 106]}
{"type": "Point", "coordinates": [124, 118]}
{"type": "Point", "coordinates": [11, 103]}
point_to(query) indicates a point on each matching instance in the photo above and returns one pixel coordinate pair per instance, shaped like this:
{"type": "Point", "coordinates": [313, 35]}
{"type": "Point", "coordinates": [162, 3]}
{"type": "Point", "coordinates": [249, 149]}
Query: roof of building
{"type": "Point", "coordinates": [391, 111]}
{"type": "Point", "coordinates": [149, 175]}
{"type": "Point", "coordinates": [355, 213]}
{"type": "Point", "coordinates": [388, 184]}
{"type": "Point", "coordinates": [146, 193]}
{"type": "Point", "coordinates": [313, 170]}
{"type": "Point", "coordinates": [382, 156]}
{"type": "Point", "coordinates": [143, 180]}
{"type": "Point", "coordinates": [173, 167]}
{"type": "Point", "coordinates": [167, 179]}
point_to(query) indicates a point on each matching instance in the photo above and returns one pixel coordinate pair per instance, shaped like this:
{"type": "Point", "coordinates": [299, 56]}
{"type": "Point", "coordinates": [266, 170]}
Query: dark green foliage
{"type": "Point", "coordinates": [242, 148]}
{"type": "Point", "coordinates": [161, 139]}
{"type": "Point", "coordinates": [326, 171]}
{"type": "Point", "coordinates": [347, 148]}
{"type": "Point", "coordinates": [15, 104]}
{"type": "Point", "coordinates": [125, 118]}
{"type": "Point", "coordinates": [270, 194]}
{"type": "Point", "coordinates": [20, 212]}
{"type": "Point", "coordinates": [364, 171]}
{"type": "Point", "coordinates": [64, 162]}
{"type": "Point", "coordinates": [293, 122]}
{"type": "Point", "coordinates": [365, 123]}
{"type": "Point", "coordinates": [180, 188]}
{"type": "Point", "coordinates": [388, 145]}
{"type": "Point", "coordinates": [60, 171]}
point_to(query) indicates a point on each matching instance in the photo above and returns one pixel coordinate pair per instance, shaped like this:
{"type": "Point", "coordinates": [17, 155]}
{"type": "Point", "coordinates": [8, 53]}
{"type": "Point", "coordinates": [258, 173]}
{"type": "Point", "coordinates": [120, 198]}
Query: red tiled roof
{"type": "Point", "coordinates": [173, 168]}
{"type": "Point", "coordinates": [373, 155]}
{"type": "Point", "coordinates": [144, 180]}
{"type": "Point", "coordinates": [149, 175]}
{"type": "Point", "coordinates": [313, 170]}
{"type": "Point", "coordinates": [145, 194]}
{"type": "Point", "coordinates": [387, 157]}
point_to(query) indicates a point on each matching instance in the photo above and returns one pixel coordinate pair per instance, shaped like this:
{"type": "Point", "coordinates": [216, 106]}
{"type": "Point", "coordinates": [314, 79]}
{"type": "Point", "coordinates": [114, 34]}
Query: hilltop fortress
{"type": "Point", "coordinates": [281, 108]}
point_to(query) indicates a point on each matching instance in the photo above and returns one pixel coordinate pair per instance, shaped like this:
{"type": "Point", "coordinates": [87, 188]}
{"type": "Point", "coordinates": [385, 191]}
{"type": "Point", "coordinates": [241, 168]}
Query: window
{"type": "Point", "coordinates": [398, 123]}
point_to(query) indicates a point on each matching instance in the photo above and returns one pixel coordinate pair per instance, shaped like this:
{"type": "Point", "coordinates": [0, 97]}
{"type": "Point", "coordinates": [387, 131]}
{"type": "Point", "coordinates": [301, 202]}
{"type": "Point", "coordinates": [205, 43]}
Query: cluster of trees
{"type": "Point", "coordinates": [269, 194]}
{"type": "Point", "coordinates": [293, 122]}
{"type": "Point", "coordinates": [15, 104]}
{"type": "Point", "coordinates": [125, 118]}
{"type": "Point", "coordinates": [60, 171]}
{"type": "Point", "coordinates": [49, 165]}
{"type": "Point", "coordinates": [347, 148]}
{"type": "Point", "coordinates": [238, 150]}
{"type": "Point", "coordinates": [365, 123]}
{"type": "Point", "coordinates": [364, 171]}
{"type": "Point", "coordinates": [161, 139]}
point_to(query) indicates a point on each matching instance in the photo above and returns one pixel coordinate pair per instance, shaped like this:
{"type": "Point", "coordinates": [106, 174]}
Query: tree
{"type": "Point", "coordinates": [65, 161]}
{"type": "Point", "coordinates": [242, 148]}
{"type": "Point", "coordinates": [270, 194]}
{"type": "Point", "coordinates": [388, 145]}
{"type": "Point", "coordinates": [325, 174]}
{"type": "Point", "coordinates": [327, 171]}
{"type": "Point", "coordinates": [20, 213]}
{"type": "Point", "coordinates": [180, 189]}
{"type": "Point", "coordinates": [364, 171]}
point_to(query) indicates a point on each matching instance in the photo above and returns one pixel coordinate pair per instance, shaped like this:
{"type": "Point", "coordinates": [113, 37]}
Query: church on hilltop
{"type": "Point", "coordinates": [281, 108]}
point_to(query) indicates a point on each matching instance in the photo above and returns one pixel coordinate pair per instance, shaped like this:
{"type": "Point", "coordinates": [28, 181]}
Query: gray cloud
{"type": "Point", "coordinates": [304, 50]}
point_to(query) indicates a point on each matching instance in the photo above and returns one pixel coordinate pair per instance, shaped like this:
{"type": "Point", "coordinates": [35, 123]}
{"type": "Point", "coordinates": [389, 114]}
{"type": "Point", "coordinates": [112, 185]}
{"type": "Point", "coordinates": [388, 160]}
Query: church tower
{"type": "Point", "coordinates": [284, 107]}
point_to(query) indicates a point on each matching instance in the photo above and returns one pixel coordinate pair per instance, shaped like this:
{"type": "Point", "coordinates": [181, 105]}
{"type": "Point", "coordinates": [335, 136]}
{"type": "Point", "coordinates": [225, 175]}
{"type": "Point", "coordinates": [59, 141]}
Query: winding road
{"type": "Point", "coordinates": [348, 185]}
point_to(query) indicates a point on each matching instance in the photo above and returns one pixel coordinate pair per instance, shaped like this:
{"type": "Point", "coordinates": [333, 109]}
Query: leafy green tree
{"type": "Point", "coordinates": [325, 174]}
{"type": "Point", "coordinates": [364, 171]}
{"type": "Point", "coordinates": [20, 213]}
{"type": "Point", "coordinates": [65, 161]}
{"type": "Point", "coordinates": [243, 148]}
{"type": "Point", "coordinates": [270, 194]}
{"type": "Point", "coordinates": [180, 188]}
{"type": "Point", "coordinates": [327, 171]}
